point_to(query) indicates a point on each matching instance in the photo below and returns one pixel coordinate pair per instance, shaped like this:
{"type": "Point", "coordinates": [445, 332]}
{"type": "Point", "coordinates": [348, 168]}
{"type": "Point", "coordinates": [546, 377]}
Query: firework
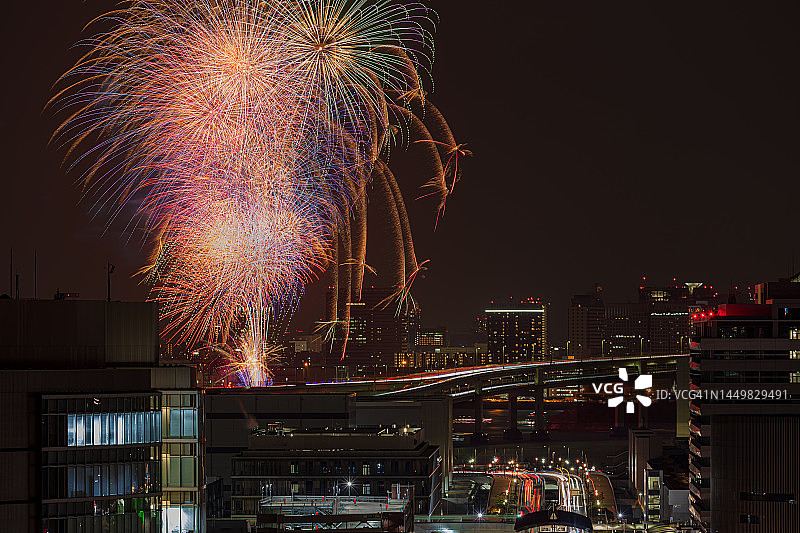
{"type": "Point", "coordinates": [247, 134]}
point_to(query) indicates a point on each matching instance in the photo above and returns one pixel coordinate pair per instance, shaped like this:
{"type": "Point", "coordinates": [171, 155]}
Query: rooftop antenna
{"type": "Point", "coordinates": [17, 288]}
{"type": "Point", "coordinates": [109, 271]}
{"type": "Point", "coordinates": [35, 286]}
{"type": "Point", "coordinates": [11, 273]}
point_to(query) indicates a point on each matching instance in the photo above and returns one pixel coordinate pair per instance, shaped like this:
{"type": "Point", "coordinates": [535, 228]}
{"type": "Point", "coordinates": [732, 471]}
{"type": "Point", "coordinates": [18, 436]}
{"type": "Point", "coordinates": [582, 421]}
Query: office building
{"type": "Point", "coordinates": [428, 337]}
{"type": "Point", "coordinates": [745, 415]}
{"type": "Point", "coordinates": [658, 323]}
{"type": "Point", "coordinates": [665, 498]}
{"type": "Point", "coordinates": [348, 462]}
{"type": "Point", "coordinates": [657, 472]}
{"type": "Point", "coordinates": [627, 328]}
{"type": "Point", "coordinates": [440, 358]}
{"type": "Point", "coordinates": [586, 324]}
{"type": "Point", "coordinates": [231, 415]}
{"type": "Point", "coordinates": [95, 435]}
{"type": "Point", "coordinates": [377, 330]}
{"type": "Point", "coordinates": [517, 333]}
{"type": "Point", "coordinates": [433, 414]}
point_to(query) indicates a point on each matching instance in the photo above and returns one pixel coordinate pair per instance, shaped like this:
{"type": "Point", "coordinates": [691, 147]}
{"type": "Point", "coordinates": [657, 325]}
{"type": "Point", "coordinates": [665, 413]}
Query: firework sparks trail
{"type": "Point", "coordinates": [246, 133]}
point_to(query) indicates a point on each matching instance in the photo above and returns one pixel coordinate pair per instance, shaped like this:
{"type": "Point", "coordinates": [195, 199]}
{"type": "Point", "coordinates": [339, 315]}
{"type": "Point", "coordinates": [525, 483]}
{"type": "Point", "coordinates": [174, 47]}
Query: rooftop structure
{"type": "Point", "coordinates": [352, 462]}
{"type": "Point", "coordinates": [367, 514]}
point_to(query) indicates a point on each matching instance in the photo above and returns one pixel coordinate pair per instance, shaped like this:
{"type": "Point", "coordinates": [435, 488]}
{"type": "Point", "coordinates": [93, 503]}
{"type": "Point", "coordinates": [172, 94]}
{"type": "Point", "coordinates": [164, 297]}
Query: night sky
{"type": "Point", "coordinates": [611, 140]}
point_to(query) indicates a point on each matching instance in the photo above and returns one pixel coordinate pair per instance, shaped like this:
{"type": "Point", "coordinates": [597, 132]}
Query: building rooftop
{"type": "Point", "coordinates": [378, 439]}
{"type": "Point", "coordinates": [278, 429]}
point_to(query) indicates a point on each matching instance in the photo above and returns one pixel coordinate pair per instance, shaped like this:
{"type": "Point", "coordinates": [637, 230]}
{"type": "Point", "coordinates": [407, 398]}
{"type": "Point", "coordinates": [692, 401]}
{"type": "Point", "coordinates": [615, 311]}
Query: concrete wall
{"type": "Point", "coordinates": [754, 453]}
{"type": "Point", "coordinates": [678, 500]}
{"type": "Point", "coordinates": [77, 333]}
{"type": "Point", "coordinates": [643, 445]}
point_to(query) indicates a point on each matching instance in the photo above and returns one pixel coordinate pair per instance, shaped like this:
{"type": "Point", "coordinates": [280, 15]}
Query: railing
{"type": "Point", "coordinates": [505, 518]}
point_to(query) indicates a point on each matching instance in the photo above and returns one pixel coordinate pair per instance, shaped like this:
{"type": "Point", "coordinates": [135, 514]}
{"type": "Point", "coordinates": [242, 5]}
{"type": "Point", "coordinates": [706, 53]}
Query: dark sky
{"type": "Point", "coordinates": [611, 139]}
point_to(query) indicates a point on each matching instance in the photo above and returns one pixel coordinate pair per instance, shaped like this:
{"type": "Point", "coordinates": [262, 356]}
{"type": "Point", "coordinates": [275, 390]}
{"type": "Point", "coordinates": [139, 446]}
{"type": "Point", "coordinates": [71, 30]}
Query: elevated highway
{"type": "Point", "coordinates": [480, 382]}
{"type": "Point", "coordinates": [498, 379]}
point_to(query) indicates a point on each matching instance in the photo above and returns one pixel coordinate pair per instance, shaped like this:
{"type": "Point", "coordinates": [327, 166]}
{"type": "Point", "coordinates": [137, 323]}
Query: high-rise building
{"type": "Point", "coordinates": [517, 333]}
{"type": "Point", "coordinates": [627, 329]}
{"type": "Point", "coordinates": [586, 324]}
{"type": "Point", "coordinates": [427, 337]}
{"type": "Point", "coordinates": [669, 312]}
{"type": "Point", "coordinates": [94, 435]}
{"type": "Point", "coordinates": [378, 329]}
{"type": "Point", "coordinates": [659, 323]}
{"type": "Point", "coordinates": [745, 414]}
{"type": "Point", "coordinates": [414, 325]}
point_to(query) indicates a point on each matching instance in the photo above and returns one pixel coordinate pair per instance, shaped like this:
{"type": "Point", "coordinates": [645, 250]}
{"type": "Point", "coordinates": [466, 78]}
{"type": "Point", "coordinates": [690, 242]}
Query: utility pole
{"type": "Point", "coordinates": [109, 271]}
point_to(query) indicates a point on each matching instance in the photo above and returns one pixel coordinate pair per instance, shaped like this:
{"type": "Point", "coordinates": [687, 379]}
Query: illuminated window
{"type": "Point", "coordinates": [112, 429]}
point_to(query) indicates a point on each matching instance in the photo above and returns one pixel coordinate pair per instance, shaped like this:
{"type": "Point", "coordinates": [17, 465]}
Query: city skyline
{"type": "Point", "coordinates": [645, 179]}
{"type": "Point", "coordinates": [386, 266]}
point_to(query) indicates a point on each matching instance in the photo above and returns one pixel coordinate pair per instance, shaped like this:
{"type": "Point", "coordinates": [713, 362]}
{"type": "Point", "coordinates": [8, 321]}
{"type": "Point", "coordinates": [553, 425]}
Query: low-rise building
{"type": "Point", "coordinates": [342, 462]}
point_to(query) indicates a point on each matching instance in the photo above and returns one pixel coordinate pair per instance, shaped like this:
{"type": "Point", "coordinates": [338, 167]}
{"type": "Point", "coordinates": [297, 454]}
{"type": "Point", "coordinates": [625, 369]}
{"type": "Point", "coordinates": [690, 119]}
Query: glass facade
{"type": "Point", "coordinates": [101, 463]}
{"type": "Point", "coordinates": [110, 429]}
{"type": "Point", "coordinates": [121, 463]}
{"type": "Point", "coordinates": [179, 463]}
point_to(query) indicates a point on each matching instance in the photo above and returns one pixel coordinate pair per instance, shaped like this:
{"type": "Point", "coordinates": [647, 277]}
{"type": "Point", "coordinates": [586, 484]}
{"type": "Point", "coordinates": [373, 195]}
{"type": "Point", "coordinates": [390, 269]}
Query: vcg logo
{"type": "Point", "coordinates": [644, 381]}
